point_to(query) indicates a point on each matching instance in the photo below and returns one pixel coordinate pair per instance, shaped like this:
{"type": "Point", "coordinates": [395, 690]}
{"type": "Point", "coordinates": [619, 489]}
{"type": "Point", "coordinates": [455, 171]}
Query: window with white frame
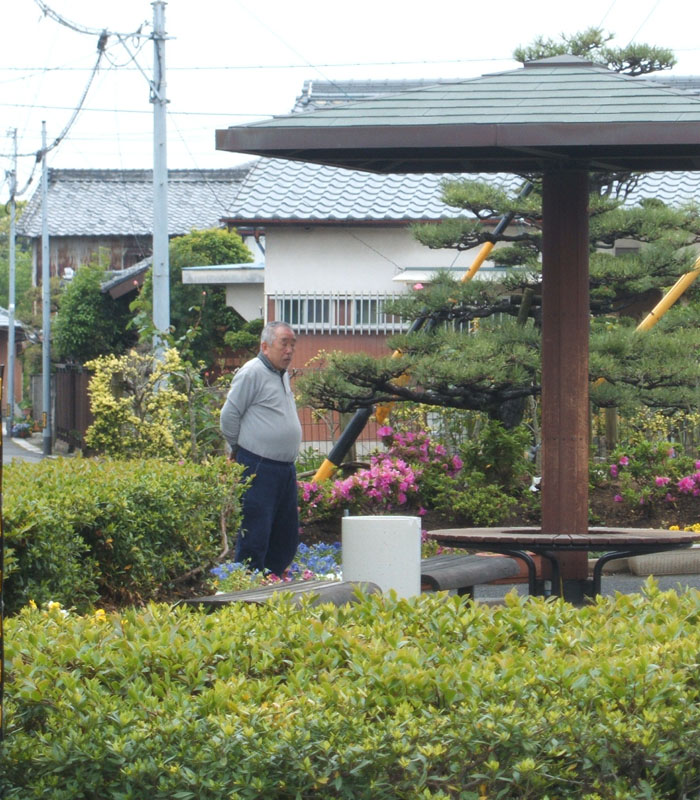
{"type": "Point", "coordinates": [337, 312]}
{"type": "Point", "coordinates": [304, 310]}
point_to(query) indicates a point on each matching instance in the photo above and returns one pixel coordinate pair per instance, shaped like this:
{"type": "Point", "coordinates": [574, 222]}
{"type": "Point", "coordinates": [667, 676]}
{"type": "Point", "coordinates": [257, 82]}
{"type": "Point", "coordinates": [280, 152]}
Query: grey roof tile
{"type": "Point", "coordinates": [276, 190]}
{"type": "Point", "coordinates": [120, 202]}
{"type": "Point", "coordinates": [557, 90]}
{"type": "Point", "coordinates": [279, 190]}
{"type": "Point", "coordinates": [673, 188]}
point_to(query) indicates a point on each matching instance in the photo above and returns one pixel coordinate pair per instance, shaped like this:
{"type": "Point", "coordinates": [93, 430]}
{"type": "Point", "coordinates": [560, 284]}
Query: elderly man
{"type": "Point", "coordinates": [260, 423]}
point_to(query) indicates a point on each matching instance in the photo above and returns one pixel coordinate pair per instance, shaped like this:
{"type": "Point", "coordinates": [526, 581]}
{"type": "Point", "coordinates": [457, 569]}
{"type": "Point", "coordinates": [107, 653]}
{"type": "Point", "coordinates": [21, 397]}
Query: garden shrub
{"type": "Point", "coordinates": [83, 530]}
{"type": "Point", "coordinates": [470, 499]}
{"type": "Point", "coordinates": [136, 409]}
{"type": "Point", "coordinates": [387, 699]}
{"type": "Point", "coordinates": [416, 473]}
{"type": "Point", "coordinates": [649, 474]}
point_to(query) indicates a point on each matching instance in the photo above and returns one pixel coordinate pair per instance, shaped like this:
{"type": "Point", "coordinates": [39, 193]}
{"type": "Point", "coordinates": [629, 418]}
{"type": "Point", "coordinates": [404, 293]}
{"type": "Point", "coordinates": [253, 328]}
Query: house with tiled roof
{"type": "Point", "coordinates": [110, 212]}
{"type": "Point", "coordinates": [338, 241]}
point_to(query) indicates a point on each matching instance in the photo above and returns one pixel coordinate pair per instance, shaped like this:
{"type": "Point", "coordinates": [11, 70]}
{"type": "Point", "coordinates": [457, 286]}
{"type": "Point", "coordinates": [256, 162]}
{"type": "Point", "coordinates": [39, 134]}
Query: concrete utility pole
{"type": "Point", "coordinates": [46, 298]}
{"type": "Point", "coordinates": [11, 292]}
{"type": "Point", "coordinates": [161, 265]}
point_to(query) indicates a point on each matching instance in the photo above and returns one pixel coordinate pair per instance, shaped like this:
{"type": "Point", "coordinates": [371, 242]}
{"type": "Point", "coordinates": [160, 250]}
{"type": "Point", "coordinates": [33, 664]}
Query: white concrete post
{"type": "Point", "coordinates": [383, 550]}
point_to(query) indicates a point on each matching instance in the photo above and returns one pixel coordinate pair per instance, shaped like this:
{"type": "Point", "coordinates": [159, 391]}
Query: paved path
{"type": "Point", "coordinates": [22, 449]}
{"type": "Point", "coordinates": [623, 582]}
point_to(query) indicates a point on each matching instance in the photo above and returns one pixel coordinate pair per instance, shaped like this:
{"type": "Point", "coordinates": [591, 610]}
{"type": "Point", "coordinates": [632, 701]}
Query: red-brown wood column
{"type": "Point", "coordinates": [565, 329]}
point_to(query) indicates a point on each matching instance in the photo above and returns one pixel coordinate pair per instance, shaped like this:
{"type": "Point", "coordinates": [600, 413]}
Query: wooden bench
{"type": "Point", "coordinates": [464, 572]}
{"type": "Point", "coordinates": [438, 573]}
{"type": "Point", "coordinates": [337, 592]}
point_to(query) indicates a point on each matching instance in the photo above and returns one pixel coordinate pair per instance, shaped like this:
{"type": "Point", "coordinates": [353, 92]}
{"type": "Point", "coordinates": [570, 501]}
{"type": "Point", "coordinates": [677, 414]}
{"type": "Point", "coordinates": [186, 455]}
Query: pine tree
{"type": "Point", "coordinates": [495, 367]}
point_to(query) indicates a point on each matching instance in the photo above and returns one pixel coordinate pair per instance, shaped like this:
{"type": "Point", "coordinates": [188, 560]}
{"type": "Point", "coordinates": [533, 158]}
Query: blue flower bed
{"type": "Point", "coordinates": [317, 561]}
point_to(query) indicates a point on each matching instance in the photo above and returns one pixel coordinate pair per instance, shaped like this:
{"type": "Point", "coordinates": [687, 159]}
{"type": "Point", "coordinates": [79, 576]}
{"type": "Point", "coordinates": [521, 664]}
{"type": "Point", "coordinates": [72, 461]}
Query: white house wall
{"type": "Point", "coordinates": [246, 299]}
{"type": "Point", "coordinates": [347, 258]}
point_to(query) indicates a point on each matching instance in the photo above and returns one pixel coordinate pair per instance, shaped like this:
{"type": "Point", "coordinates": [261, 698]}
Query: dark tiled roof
{"type": "Point", "coordinates": [278, 190]}
{"type": "Point", "coordinates": [122, 281]}
{"type": "Point", "coordinates": [673, 188]}
{"type": "Point", "coordinates": [290, 191]}
{"type": "Point", "coordinates": [111, 202]}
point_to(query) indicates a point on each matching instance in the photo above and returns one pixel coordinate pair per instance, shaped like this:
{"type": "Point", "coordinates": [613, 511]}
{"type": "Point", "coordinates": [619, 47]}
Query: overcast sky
{"type": "Point", "coordinates": [229, 62]}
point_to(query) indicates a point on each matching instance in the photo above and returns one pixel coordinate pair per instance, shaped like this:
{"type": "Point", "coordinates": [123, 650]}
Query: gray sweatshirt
{"type": "Point", "coordinates": [260, 413]}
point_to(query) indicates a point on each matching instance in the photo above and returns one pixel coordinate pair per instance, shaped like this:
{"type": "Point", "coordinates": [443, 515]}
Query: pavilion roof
{"type": "Point", "coordinates": [556, 112]}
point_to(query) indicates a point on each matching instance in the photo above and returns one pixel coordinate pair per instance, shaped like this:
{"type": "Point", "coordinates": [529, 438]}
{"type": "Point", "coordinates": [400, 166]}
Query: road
{"type": "Point", "coordinates": [21, 449]}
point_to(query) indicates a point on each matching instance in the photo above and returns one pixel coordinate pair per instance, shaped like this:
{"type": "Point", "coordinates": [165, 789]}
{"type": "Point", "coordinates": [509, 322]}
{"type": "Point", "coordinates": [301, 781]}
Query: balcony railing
{"type": "Point", "coordinates": [335, 312]}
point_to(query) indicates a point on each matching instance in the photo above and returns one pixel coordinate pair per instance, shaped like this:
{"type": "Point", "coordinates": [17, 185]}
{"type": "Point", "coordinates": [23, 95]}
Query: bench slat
{"type": "Point", "coordinates": [336, 592]}
{"type": "Point", "coordinates": [440, 573]}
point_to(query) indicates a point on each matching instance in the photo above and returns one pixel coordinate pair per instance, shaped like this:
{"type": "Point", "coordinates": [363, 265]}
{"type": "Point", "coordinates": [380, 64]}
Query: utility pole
{"type": "Point", "coordinates": [161, 266]}
{"type": "Point", "coordinates": [46, 298]}
{"type": "Point", "coordinates": [11, 293]}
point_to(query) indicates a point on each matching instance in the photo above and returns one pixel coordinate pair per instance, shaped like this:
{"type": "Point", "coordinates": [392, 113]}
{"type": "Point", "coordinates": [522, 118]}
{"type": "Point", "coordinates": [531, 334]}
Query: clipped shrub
{"type": "Point", "coordinates": [471, 499]}
{"type": "Point", "coordinates": [137, 409]}
{"type": "Point", "coordinates": [83, 530]}
{"type": "Point", "coordinates": [387, 699]}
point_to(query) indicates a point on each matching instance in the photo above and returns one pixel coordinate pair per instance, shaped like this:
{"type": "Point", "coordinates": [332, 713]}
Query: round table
{"type": "Point", "coordinates": [521, 542]}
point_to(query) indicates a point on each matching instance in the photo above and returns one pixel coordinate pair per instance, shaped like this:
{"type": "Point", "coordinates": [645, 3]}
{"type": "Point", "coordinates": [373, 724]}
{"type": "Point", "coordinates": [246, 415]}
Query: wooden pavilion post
{"type": "Point", "coordinates": [565, 331]}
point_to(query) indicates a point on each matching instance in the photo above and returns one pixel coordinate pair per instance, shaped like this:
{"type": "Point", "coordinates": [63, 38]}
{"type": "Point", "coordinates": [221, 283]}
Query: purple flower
{"type": "Point", "coordinates": [618, 498]}
{"type": "Point", "coordinates": [613, 470]}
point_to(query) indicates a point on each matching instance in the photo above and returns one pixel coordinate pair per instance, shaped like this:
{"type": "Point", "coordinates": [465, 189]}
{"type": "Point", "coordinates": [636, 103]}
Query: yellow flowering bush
{"type": "Point", "coordinates": [136, 409]}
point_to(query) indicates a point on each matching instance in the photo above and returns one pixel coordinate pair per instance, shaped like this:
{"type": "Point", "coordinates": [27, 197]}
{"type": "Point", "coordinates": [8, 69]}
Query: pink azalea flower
{"type": "Point", "coordinates": [669, 497]}
{"type": "Point", "coordinates": [624, 461]}
{"type": "Point", "coordinates": [697, 465]}
{"type": "Point", "coordinates": [686, 485]}
{"type": "Point", "coordinates": [618, 498]}
{"type": "Point", "coordinates": [661, 481]}
{"type": "Point", "coordinates": [421, 512]}
{"type": "Point", "coordinates": [387, 430]}
{"type": "Point", "coordinates": [613, 470]}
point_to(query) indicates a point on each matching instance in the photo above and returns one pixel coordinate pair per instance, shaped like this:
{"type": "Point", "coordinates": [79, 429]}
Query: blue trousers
{"type": "Point", "coordinates": [269, 534]}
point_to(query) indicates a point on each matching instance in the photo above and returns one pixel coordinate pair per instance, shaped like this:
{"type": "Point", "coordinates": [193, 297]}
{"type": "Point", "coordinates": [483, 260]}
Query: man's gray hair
{"type": "Point", "coordinates": [270, 330]}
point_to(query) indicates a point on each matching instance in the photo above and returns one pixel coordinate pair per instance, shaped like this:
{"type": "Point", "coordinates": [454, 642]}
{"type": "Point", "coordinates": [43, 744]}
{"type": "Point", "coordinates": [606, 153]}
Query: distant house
{"type": "Point", "coordinates": [110, 212]}
{"type": "Point", "coordinates": [338, 245]}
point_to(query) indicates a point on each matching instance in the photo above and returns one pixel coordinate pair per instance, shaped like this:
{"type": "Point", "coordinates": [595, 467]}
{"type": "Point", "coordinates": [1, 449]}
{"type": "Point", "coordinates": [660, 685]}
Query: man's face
{"type": "Point", "coordinates": [281, 351]}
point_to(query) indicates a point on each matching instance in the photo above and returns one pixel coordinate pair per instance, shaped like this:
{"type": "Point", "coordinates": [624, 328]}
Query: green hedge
{"type": "Point", "coordinates": [428, 698]}
{"type": "Point", "coordinates": [80, 531]}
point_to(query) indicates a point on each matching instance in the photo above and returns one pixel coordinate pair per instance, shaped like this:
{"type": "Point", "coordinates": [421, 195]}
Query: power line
{"type": "Point", "coordinates": [56, 17]}
{"type": "Point", "coordinates": [142, 111]}
{"type": "Point", "coordinates": [327, 65]}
